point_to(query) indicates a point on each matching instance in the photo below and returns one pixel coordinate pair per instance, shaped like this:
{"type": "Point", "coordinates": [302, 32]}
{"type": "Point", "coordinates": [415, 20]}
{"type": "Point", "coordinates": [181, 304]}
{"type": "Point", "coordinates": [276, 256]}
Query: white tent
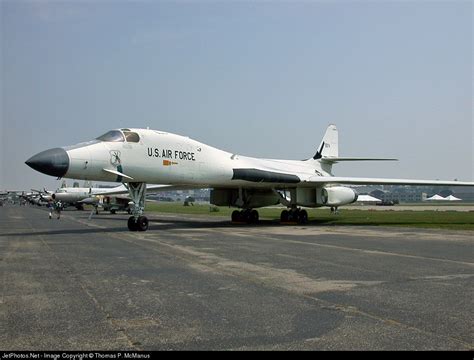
{"type": "Point", "coordinates": [452, 198]}
{"type": "Point", "coordinates": [367, 198]}
{"type": "Point", "coordinates": [436, 197]}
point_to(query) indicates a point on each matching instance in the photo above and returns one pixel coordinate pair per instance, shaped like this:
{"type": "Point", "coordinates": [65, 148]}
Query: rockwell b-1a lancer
{"type": "Point", "coordinates": [139, 156]}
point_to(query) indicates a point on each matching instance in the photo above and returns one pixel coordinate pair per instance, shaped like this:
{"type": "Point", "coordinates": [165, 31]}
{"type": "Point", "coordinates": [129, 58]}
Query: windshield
{"type": "Point", "coordinates": [112, 136]}
{"type": "Point", "coordinates": [131, 136]}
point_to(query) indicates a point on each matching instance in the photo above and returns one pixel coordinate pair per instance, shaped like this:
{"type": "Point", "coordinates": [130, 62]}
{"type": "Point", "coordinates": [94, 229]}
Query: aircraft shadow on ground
{"type": "Point", "coordinates": [160, 225]}
{"type": "Point", "coordinates": [157, 224]}
{"type": "Point", "coordinates": [229, 224]}
{"type": "Point", "coordinates": [67, 232]}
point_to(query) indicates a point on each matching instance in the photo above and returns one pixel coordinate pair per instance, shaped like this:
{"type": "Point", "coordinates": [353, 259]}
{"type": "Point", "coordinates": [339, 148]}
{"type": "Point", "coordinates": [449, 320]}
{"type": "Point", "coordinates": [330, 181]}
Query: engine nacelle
{"type": "Point", "coordinates": [251, 198]}
{"type": "Point", "coordinates": [68, 197]}
{"type": "Point", "coordinates": [337, 196]}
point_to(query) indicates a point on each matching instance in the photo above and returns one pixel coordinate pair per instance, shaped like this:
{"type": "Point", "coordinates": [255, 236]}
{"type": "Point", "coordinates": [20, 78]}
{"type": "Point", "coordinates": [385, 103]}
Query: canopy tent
{"type": "Point", "coordinates": [436, 197]}
{"type": "Point", "coordinates": [452, 198]}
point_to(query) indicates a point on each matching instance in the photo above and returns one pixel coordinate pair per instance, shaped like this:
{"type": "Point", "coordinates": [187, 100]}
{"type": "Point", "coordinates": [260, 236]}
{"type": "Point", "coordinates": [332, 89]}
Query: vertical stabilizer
{"type": "Point", "coordinates": [329, 144]}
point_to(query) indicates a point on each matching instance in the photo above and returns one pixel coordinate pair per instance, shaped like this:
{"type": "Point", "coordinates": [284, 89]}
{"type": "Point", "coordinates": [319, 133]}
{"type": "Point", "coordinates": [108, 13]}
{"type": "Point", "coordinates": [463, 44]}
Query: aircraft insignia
{"type": "Point", "coordinates": [115, 157]}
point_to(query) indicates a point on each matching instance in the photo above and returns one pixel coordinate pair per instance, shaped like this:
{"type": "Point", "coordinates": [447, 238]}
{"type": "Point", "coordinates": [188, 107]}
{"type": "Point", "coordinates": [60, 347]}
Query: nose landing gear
{"type": "Point", "coordinates": [137, 192]}
{"type": "Point", "coordinates": [140, 224]}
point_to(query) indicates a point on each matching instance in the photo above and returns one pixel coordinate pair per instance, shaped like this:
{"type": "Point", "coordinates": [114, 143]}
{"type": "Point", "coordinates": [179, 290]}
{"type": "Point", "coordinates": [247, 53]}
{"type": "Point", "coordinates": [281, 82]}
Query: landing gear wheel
{"type": "Point", "coordinates": [236, 216]}
{"type": "Point", "coordinates": [132, 224]}
{"type": "Point", "coordinates": [142, 224]}
{"type": "Point", "coordinates": [294, 216]}
{"type": "Point", "coordinates": [137, 193]}
{"type": "Point", "coordinates": [245, 216]}
{"type": "Point", "coordinates": [303, 217]}
{"type": "Point", "coordinates": [254, 217]}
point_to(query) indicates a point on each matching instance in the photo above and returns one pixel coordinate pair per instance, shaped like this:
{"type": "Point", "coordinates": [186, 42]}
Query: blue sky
{"type": "Point", "coordinates": [256, 78]}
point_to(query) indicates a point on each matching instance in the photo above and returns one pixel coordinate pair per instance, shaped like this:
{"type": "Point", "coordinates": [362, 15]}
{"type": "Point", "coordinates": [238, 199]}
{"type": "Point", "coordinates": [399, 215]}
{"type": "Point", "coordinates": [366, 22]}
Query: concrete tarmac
{"type": "Point", "coordinates": [201, 283]}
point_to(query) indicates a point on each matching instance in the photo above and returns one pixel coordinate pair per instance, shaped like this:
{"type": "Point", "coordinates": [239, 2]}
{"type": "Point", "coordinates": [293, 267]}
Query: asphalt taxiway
{"type": "Point", "coordinates": [202, 283]}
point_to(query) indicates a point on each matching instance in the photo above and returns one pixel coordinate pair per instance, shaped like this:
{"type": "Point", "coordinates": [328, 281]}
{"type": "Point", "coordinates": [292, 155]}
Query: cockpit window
{"type": "Point", "coordinates": [112, 136]}
{"type": "Point", "coordinates": [131, 136]}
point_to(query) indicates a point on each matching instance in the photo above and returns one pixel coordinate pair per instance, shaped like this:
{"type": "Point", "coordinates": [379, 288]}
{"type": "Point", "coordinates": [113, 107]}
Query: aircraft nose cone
{"type": "Point", "coordinates": [54, 162]}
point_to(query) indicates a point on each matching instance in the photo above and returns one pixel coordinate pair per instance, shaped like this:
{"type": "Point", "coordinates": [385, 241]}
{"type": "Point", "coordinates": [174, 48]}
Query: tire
{"type": "Point", "coordinates": [132, 224]}
{"type": "Point", "coordinates": [254, 216]}
{"type": "Point", "coordinates": [236, 216]}
{"type": "Point", "coordinates": [284, 216]}
{"type": "Point", "coordinates": [303, 217]}
{"type": "Point", "coordinates": [245, 216]}
{"type": "Point", "coordinates": [142, 224]}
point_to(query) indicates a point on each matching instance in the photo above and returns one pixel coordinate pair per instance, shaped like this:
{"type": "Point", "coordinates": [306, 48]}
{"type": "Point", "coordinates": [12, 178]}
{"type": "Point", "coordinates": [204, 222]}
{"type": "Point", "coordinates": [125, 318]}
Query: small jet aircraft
{"type": "Point", "coordinates": [139, 156]}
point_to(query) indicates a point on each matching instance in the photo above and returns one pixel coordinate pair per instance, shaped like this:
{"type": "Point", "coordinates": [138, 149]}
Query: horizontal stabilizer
{"type": "Point", "coordinates": [333, 159]}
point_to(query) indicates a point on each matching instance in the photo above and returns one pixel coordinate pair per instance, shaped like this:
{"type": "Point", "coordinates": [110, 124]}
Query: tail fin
{"type": "Point", "coordinates": [328, 151]}
{"type": "Point", "coordinates": [329, 145]}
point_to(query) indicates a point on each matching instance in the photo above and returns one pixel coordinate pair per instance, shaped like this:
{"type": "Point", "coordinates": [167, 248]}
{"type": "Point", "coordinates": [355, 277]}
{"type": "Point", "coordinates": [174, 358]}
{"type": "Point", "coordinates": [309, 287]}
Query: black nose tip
{"type": "Point", "coordinates": [54, 162]}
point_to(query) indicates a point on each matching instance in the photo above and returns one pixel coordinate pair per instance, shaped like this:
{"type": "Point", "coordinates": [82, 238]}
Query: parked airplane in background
{"type": "Point", "coordinates": [106, 198]}
{"type": "Point", "coordinates": [80, 196]}
{"type": "Point", "coordinates": [35, 197]}
{"type": "Point", "coordinates": [139, 156]}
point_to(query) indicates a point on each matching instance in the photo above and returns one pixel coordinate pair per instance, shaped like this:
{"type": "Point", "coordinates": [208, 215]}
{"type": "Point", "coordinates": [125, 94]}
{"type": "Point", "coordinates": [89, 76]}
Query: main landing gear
{"type": "Point", "coordinates": [248, 216]}
{"type": "Point", "coordinates": [137, 192]}
{"type": "Point", "coordinates": [295, 215]}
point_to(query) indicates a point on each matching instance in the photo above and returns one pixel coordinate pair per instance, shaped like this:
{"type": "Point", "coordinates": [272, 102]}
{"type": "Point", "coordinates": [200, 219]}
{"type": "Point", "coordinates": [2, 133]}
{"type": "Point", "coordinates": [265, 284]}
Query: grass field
{"type": "Point", "coordinates": [455, 220]}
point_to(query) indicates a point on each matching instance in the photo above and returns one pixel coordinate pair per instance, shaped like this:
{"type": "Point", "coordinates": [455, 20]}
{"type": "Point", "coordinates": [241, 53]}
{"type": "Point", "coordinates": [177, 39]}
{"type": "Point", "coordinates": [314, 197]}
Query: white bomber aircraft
{"type": "Point", "coordinates": [139, 156]}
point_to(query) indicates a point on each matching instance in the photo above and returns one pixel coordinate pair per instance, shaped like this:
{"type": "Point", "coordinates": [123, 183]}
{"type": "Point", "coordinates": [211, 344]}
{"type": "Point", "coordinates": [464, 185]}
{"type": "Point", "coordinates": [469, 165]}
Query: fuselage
{"type": "Point", "coordinates": [164, 158]}
{"type": "Point", "coordinates": [71, 195]}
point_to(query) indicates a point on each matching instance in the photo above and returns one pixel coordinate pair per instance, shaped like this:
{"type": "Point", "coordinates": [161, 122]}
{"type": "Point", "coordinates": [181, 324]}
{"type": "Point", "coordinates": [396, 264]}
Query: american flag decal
{"type": "Point", "coordinates": [169, 163]}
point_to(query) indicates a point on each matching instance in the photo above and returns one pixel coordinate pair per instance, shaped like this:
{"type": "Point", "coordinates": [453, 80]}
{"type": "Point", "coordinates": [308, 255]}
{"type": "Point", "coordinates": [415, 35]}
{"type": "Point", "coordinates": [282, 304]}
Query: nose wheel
{"type": "Point", "coordinates": [137, 192]}
{"type": "Point", "coordinates": [140, 224]}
